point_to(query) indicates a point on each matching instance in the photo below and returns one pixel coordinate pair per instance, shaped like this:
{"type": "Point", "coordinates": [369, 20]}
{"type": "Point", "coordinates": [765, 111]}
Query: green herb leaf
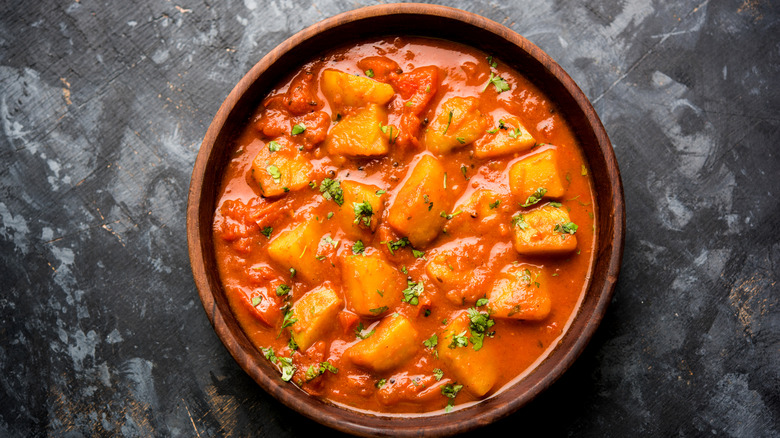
{"type": "Point", "coordinates": [482, 302]}
{"type": "Point", "coordinates": [566, 228]}
{"type": "Point", "coordinates": [584, 171]}
{"type": "Point", "coordinates": [463, 170]}
{"type": "Point", "coordinates": [298, 129]}
{"type": "Point", "coordinates": [363, 213]}
{"type": "Point", "coordinates": [451, 391]}
{"type": "Point", "coordinates": [331, 190]}
{"type": "Point", "coordinates": [274, 146]}
{"type": "Point", "coordinates": [330, 214]}
{"type": "Point", "coordinates": [288, 369]}
{"type": "Point", "coordinates": [459, 340]}
{"type": "Point", "coordinates": [270, 355]}
{"type": "Point", "coordinates": [461, 140]}
{"type": "Point", "coordinates": [450, 216]}
{"type": "Point", "coordinates": [418, 254]}
{"type": "Point", "coordinates": [412, 292]}
{"type": "Point", "coordinates": [499, 82]}
{"type": "Point", "coordinates": [404, 270]}
{"type": "Point", "coordinates": [293, 272]}
{"type": "Point", "coordinates": [493, 205]}
{"type": "Point", "coordinates": [491, 62]}
{"type": "Point", "coordinates": [449, 120]}
{"type": "Point", "coordinates": [266, 231]}
{"type": "Point", "coordinates": [358, 247]}
{"type": "Point", "coordinates": [381, 383]}
{"type": "Point", "coordinates": [381, 192]}
{"type": "Point", "coordinates": [370, 73]}
{"type": "Point", "coordinates": [397, 244]}
{"type": "Point", "coordinates": [282, 289]}
{"type": "Point", "coordinates": [492, 131]}
{"type": "Point", "coordinates": [359, 332]}
{"type": "Point", "coordinates": [479, 325]}
{"type": "Point", "coordinates": [535, 197]}
{"type": "Point", "coordinates": [329, 240]}
{"type": "Point", "coordinates": [275, 173]}
{"type": "Point", "coordinates": [256, 300]}
{"type": "Point", "coordinates": [555, 204]}
{"type": "Point", "coordinates": [516, 133]}
{"type": "Point", "coordinates": [519, 221]}
{"type": "Point", "coordinates": [438, 373]}
{"type": "Point", "coordinates": [431, 342]}
{"type": "Point", "coordinates": [378, 310]}
{"type": "Point", "coordinates": [292, 344]}
{"type": "Point", "coordinates": [316, 370]}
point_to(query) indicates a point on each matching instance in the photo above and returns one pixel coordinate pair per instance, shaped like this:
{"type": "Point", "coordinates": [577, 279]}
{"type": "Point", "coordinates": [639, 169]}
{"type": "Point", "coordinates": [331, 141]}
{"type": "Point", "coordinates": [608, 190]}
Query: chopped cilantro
{"type": "Point", "coordinates": [566, 228]}
{"type": "Point", "coordinates": [427, 313]}
{"type": "Point", "coordinates": [381, 383]}
{"type": "Point", "coordinates": [275, 173]}
{"type": "Point", "coordinates": [359, 331]}
{"type": "Point", "coordinates": [519, 221]}
{"type": "Point", "coordinates": [450, 216]}
{"type": "Point", "coordinates": [266, 231]}
{"type": "Point", "coordinates": [282, 289]}
{"type": "Point", "coordinates": [412, 292]}
{"type": "Point", "coordinates": [378, 310]}
{"type": "Point", "coordinates": [438, 373]}
{"type": "Point", "coordinates": [535, 197]}
{"type": "Point", "coordinates": [330, 214]}
{"type": "Point", "coordinates": [381, 192]}
{"type": "Point", "coordinates": [329, 240]}
{"type": "Point", "coordinates": [404, 270]}
{"type": "Point", "coordinates": [431, 342]}
{"type": "Point", "coordinates": [317, 370]}
{"type": "Point", "coordinates": [482, 302]}
{"type": "Point", "coordinates": [292, 272]}
{"type": "Point", "coordinates": [273, 146]}
{"type": "Point", "coordinates": [492, 62]}
{"type": "Point", "coordinates": [269, 354]}
{"type": "Point", "coordinates": [288, 369]}
{"type": "Point", "coordinates": [463, 170]}
{"type": "Point", "coordinates": [418, 254]}
{"type": "Point", "coordinates": [397, 244]}
{"type": "Point", "coordinates": [493, 205]}
{"type": "Point", "coordinates": [584, 171]}
{"type": "Point", "coordinates": [289, 319]}
{"type": "Point", "coordinates": [479, 325]}
{"type": "Point", "coordinates": [298, 129]}
{"type": "Point", "coordinates": [555, 204]}
{"type": "Point", "coordinates": [292, 344]}
{"type": "Point", "coordinates": [320, 257]}
{"type": "Point", "coordinates": [492, 131]}
{"type": "Point", "coordinates": [256, 300]}
{"type": "Point", "coordinates": [449, 121]}
{"type": "Point", "coordinates": [461, 140]}
{"type": "Point", "coordinates": [380, 292]}
{"type": "Point", "coordinates": [516, 133]}
{"type": "Point", "coordinates": [363, 213]}
{"type": "Point", "coordinates": [370, 73]}
{"type": "Point", "coordinates": [498, 82]}
{"type": "Point", "coordinates": [358, 247]}
{"type": "Point", "coordinates": [459, 340]}
{"type": "Point", "coordinates": [450, 391]}
{"type": "Point", "coordinates": [331, 189]}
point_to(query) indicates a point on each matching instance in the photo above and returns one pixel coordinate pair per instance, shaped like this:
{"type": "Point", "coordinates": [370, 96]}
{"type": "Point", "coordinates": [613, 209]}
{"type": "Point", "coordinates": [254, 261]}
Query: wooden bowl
{"type": "Point", "coordinates": [419, 20]}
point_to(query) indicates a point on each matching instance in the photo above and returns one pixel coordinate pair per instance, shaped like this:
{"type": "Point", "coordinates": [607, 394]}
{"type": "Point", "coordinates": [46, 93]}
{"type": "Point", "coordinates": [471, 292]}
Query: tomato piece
{"type": "Point", "coordinates": [417, 88]}
{"type": "Point", "coordinates": [384, 68]}
{"type": "Point", "coordinates": [301, 97]}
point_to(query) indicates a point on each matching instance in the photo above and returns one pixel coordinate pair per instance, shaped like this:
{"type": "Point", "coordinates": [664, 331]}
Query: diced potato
{"type": "Point", "coordinates": [521, 292]}
{"type": "Point", "coordinates": [460, 272]}
{"type": "Point", "coordinates": [535, 233]}
{"type": "Point", "coordinates": [475, 370]}
{"type": "Point", "coordinates": [539, 170]}
{"type": "Point", "coordinates": [394, 343]}
{"type": "Point", "coordinates": [316, 314]}
{"type": "Point", "coordinates": [416, 211]}
{"type": "Point", "coordinates": [345, 89]}
{"type": "Point", "coordinates": [358, 193]}
{"type": "Point", "coordinates": [359, 134]}
{"type": "Point", "coordinates": [371, 285]}
{"type": "Point", "coordinates": [515, 138]}
{"type": "Point", "coordinates": [280, 170]}
{"type": "Point", "coordinates": [458, 122]}
{"type": "Point", "coordinates": [296, 248]}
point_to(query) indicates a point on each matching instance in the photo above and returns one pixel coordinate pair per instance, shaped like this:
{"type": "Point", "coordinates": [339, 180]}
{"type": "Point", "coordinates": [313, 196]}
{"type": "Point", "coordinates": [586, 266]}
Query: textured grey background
{"type": "Point", "coordinates": [102, 109]}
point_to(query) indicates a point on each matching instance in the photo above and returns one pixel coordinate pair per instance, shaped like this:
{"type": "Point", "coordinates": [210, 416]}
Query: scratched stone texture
{"type": "Point", "coordinates": [103, 106]}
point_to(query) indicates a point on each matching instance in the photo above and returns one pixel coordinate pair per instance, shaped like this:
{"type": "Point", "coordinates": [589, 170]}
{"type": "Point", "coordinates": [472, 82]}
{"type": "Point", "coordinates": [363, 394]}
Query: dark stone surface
{"type": "Point", "coordinates": [103, 107]}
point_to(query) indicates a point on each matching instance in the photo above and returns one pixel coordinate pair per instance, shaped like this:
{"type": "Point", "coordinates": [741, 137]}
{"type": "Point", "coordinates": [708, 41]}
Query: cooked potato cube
{"type": "Point", "coordinates": [460, 271]}
{"type": "Point", "coordinates": [475, 370]}
{"type": "Point", "coordinates": [394, 342]}
{"type": "Point", "coordinates": [546, 230]}
{"type": "Point", "coordinates": [416, 211]}
{"type": "Point", "coordinates": [458, 122]}
{"type": "Point", "coordinates": [296, 248]}
{"type": "Point", "coordinates": [345, 89]}
{"type": "Point", "coordinates": [514, 138]}
{"type": "Point", "coordinates": [361, 210]}
{"type": "Point", "coordinates": [520, 292]}
{"type": "Point", "coordinates": [282, 171]}
{"type": "Point", "coordinates": [316, 314]}
{"type": "Point", "coordinates": [371, 285]}
{"type": "Point", "coordinates": [359, 134]}
{"type": "Point", "coordinates": [537, 171]}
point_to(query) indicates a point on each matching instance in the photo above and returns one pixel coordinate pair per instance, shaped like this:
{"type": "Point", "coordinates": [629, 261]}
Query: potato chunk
{"type": "Point", "coordinates": [416, 211]}
{"type": "Point", "coordinates": [345, 89]}
{"type": "Point", "coordinates": [371, 285]}
{"type": "Point", "coordinates": [394, 342]}
{"type": "Point", "coordinates": [546, 230]}
{"type": "Point", "coordinates": [316, 314]}
{"type": "Point", "coordinates": [538, 170]}
{"type": "Point", "coordinates": [280, 170]}
{"type": "Point", "coordinates": [458, 122]}
{"type": "Point", "coordinates": [361, 210]}
{"type": "Point", "coordinates": [520, 292]}
{"type": "Point", "coordinates": [461, 271]}
{"type": "Point", "coordinates": [359, 134]}
{"type": "Point", "coordinates": [512, 138]}
{"type": "Point", "coordinates": [475, 370]}
{"type": "Point", "coordinates": [296, 248]}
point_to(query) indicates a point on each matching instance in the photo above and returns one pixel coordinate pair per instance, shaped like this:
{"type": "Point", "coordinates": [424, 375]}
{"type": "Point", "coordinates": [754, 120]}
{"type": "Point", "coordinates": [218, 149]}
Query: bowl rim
{"type": "Point", "coordinates": [352, 421]}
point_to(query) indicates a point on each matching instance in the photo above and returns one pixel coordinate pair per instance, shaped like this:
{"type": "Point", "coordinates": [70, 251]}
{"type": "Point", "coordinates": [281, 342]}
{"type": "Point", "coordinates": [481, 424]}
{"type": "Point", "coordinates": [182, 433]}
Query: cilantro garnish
{"type": "Point", "coordinates": [363, 213]}
{"type": "Point", "coordinates": [370, 73]}
{"type": "Point", "coordinates": [269, 354]}
{"type": "Point", "coordinates": [397, 244]}
{"type": "Point", "coordinates": [315, 371]}
{"type": "Point", "coordinates": [256, 300]}
{"type": "Point", "coordinates": [493, 205]}
{"type": "Point", "coordinates": [499, 82]}
{"type": "Point", "coordinates": [331, 189]}
{"type": "Point", "coordinates": [566, 228]}
{"type": "Point", "coordinates": [459, 340]}
{"type": "Point", "coordinates": [519, 221]}
{"type": "Point", "coordinates": [418, 254]}
{"type": "Point", "coordinates": [431, 342]}
{"type": "Point", "coordinates": [449, 121]}
{"type": "Point", "coordinates": [273, 146]}
{"type": "Point", "coordinates": [479, 325]}
{"type": "Point", "coordinates": [535, 197]}
{"type": "Point", "coordinates": [450, 391]}
{"type": "Point", "coordinates": [266, 231]}
{"type": "Point", "coordinates": [275, 173]}
{"type": "Point", "coordinates": [358, 247]}
{"type": "Point", "coordinates": [412, 292]}
{"type": "Point", "coordinates": [359, 331]}
{"type": "Point", "coordinates": [298, 129]}
{"type": "Point", "coordinates": [288, 369]}
{"type": "Point", "coordinates": [282, 289]}
{"type": "Point", "coordinates": [378, 310]}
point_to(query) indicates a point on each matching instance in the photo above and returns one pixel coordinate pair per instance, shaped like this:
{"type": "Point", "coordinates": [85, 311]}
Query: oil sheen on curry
{"type": "Point", "coordinates": [406, 225]}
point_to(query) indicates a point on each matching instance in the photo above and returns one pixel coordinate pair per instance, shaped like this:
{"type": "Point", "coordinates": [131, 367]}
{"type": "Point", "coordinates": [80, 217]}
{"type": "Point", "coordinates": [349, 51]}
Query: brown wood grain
{"type": "Point", "coordinates": [431, 21]}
